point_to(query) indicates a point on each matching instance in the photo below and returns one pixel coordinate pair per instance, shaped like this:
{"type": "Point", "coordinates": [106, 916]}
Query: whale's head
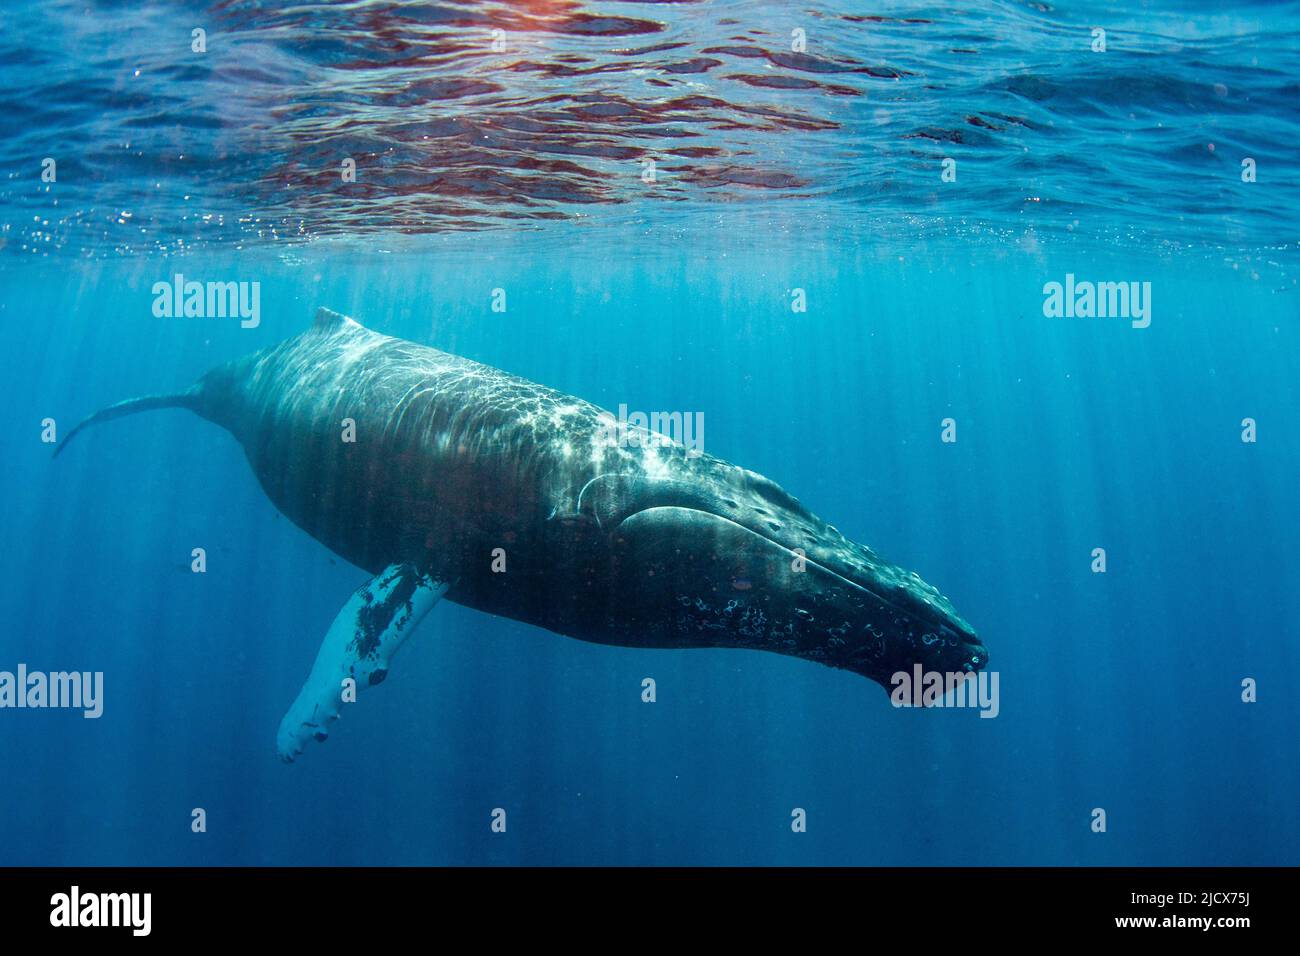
{"type": "Point", "coordinates": [741, 563]}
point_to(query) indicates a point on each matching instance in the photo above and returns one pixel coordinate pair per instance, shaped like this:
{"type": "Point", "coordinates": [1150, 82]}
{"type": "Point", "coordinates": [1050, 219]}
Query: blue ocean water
{"type": "Point", "coordinates": [680, 211]}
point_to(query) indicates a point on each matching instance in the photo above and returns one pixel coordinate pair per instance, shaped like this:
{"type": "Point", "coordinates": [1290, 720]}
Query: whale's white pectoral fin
{"type": "Point", "coordinates": [359, 645]}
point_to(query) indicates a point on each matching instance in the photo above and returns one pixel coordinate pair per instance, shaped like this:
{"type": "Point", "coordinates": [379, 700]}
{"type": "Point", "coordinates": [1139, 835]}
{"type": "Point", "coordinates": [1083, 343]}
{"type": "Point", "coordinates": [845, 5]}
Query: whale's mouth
{"type": "Point", "coordinates": [705, 556]}
{"type": "Point", "coordinates": [735, 536]}
{"type": "Point", "coordinates": [903, 593]}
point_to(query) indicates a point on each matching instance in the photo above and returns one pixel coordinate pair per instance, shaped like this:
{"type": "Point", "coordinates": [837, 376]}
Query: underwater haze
{"type": "Point", "coordinates": [1006, 291]}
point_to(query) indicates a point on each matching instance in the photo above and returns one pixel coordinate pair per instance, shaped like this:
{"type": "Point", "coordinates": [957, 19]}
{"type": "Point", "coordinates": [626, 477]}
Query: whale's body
{"type": "Point", "coordinates": [443, 476]}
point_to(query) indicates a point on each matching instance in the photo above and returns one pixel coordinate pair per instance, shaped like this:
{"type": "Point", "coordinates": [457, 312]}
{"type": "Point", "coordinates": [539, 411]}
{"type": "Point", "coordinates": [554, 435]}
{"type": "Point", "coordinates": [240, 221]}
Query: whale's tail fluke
{"type": "Point", "coordinates": [187, 399]}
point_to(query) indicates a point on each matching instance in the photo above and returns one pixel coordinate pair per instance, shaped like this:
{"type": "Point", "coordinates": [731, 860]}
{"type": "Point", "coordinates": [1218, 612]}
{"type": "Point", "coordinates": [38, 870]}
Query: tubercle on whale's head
{"type": "Point", "coordinates": [877, 619]}
{"type": "Point", "coordinates": [871, 617]}
{"type": "Point", "coordinates": [920, 627]}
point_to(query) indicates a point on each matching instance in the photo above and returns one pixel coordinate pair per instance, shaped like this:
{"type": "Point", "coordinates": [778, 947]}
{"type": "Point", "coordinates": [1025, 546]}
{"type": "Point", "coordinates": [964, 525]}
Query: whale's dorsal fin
{"type": "Point", "coordinates": [327, 320]}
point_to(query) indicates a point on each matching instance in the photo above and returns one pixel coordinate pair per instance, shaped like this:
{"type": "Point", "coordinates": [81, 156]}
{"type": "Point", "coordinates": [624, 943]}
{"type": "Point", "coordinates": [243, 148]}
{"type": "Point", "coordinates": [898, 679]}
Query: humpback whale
{"type": "Point", "coordinates": [465, 482]}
